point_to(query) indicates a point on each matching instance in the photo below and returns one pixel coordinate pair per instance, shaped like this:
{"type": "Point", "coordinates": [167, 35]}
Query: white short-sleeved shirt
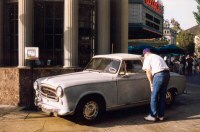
{"type": "Point", "coordinates": [155, 63]}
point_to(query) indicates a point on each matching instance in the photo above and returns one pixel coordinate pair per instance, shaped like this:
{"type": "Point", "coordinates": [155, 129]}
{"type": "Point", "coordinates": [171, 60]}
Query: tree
{"type": "Point", "coordinates": [197, 45]}
{"type": "Point", "coordinates": [197, 41]}
{"type": "Point", "coordinates": [175, 25]}
{"type": "Point", "coordinates": [197, 38]}
{"type": "Point", "coordinates": [185, 41]}
{"type": "Point", "coordinates": [197, 14]}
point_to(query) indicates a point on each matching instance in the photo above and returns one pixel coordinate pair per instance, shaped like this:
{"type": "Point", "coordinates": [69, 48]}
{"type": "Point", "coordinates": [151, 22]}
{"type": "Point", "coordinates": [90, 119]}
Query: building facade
{"type": "Point", "coordinates": [145, 19]}
{"type": "Point", "coordinates": [169, 33]}
{"type": "Point", "coordinates": [64, 30]}
{"type": "Point", "coordinates": [69, 32]}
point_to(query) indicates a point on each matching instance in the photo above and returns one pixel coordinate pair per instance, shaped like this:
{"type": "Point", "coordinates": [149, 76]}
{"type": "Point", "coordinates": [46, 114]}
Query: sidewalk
{"type": "Point", "coordinates": [8, 112]}
{"type": "Point", "coordinates": [6, 109]}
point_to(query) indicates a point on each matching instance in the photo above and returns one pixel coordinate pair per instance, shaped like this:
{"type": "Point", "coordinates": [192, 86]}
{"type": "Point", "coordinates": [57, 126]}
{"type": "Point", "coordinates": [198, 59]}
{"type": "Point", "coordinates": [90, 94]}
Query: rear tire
{"type": "Point", "coordinates": [170, 98]}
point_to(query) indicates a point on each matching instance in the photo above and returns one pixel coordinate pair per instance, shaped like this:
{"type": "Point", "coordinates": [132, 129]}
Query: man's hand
{"type": "Point", "coordinates": [150, 78]}
{"type": "Point", "coordinates": [151, 87]}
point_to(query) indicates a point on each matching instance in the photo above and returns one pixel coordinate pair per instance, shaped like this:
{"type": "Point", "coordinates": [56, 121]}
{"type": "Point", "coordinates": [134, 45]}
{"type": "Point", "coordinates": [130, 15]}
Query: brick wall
{"type": "Point", "coordinates": [16, 84]}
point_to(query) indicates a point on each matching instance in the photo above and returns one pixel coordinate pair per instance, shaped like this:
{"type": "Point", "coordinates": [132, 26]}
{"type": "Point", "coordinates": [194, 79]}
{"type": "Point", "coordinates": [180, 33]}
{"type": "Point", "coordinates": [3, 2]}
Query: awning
{"type": "Point", "coordinates": [170, 49]}
{"type": "Point", "coordinates": [166, 49]}
{"type": "Point", "coordinates": [139, 49]}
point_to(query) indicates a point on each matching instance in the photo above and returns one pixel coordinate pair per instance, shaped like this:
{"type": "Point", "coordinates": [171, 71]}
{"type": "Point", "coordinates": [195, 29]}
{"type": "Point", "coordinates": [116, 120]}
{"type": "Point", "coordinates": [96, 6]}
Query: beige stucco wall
{"type": "Point", "coordinates": [9, 86]}
{"type": "Point", "coordinates": [16, 86]}
{"type": "Point", "coordinates": [1, 32]}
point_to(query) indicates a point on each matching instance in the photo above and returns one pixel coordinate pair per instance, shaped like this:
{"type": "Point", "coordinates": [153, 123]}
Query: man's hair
{"type": "Point", "coordinates": [146, 50]}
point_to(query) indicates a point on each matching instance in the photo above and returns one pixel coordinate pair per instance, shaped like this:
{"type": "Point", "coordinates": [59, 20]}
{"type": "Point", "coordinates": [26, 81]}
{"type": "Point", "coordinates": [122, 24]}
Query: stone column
{"type": "Point", "coordinates": [103, 22]}
{"type": "Point", "coordinates": [119, 25]}
{"type": "Point", "coordinates": [25, 27]}
{"type": "Point", "coordinates": [70, 33]}
{"type": "Point", "coordinates": [1, 32]}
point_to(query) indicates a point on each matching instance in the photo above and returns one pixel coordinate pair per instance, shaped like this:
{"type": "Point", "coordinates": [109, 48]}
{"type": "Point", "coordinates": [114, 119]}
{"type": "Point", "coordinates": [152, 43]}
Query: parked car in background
{"type": "Point", "coordinates": [108, 82]}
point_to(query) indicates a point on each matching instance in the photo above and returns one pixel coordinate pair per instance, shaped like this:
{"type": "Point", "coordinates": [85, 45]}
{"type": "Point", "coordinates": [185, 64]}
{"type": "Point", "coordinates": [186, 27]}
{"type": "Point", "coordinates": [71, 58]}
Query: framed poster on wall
{"type": "Point", "coordinates": [31, 53]}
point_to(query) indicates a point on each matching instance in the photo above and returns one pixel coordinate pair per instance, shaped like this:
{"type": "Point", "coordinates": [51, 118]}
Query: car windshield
{"type": "Point", "coordinates": [103, 65]}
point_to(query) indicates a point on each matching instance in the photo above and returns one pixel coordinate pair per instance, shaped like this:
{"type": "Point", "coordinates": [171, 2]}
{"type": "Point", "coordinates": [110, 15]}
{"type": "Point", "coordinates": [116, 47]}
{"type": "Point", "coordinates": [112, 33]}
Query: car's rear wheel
{"type": "Point", "coordinates": [89, 109]}
{"type": "Point", "coordinates": [170, 97]}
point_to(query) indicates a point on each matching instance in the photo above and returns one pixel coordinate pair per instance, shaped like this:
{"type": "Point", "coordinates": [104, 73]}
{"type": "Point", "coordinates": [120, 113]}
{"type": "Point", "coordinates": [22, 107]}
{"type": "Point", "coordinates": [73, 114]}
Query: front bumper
{"type": "Point", "coordinates": [52, 107]}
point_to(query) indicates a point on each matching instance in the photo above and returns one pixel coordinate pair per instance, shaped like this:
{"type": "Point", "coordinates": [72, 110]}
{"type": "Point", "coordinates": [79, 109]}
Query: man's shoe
{"type": "Point", "coordinates": [160, 118]}
{"type": "Point", "coordinates": [150, 118]}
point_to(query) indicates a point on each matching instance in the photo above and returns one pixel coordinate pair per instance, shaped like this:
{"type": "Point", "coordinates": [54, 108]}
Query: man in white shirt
{"type": "Point", "coordinates": [158, 75]}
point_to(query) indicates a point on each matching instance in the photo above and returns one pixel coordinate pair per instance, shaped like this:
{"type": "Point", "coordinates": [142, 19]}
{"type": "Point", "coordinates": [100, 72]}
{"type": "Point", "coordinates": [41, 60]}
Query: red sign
{"type": "Point", "coordinates": [156, 6]}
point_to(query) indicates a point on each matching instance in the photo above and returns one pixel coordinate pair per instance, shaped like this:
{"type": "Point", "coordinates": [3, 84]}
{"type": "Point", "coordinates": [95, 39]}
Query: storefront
{"type": "Point", "coordinates": [40, 24]}
{"type": "Point", "coordinates": [145, 19]}
{"type": "Point", "coordinates": [69, 32]}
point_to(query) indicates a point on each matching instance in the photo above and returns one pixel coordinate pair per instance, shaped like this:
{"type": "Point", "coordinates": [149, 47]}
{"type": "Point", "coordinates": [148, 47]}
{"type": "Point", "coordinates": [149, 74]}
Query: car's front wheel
{"type": "Point", "coordinates": [90, 109]}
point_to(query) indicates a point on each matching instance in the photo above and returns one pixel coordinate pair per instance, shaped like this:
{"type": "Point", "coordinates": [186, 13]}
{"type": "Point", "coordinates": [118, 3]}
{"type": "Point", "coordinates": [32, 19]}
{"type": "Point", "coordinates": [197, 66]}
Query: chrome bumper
{"type": "Point", "coordinates": [47, 108]}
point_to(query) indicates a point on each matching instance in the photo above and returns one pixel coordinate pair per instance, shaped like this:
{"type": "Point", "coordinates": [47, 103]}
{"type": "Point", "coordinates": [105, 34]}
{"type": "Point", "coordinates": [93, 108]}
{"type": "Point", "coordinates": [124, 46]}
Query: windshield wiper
{"type": "Point", "coordinates": [100, 71]}
{"type": "Point", "coordinates": [88, 69]}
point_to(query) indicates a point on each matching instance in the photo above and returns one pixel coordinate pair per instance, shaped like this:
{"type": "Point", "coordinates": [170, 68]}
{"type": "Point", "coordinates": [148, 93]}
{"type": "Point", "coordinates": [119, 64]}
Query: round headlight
{"type": "Point", "coordinates": [35, 85]}
{"type": "Point", "coordinates": [59, 92]}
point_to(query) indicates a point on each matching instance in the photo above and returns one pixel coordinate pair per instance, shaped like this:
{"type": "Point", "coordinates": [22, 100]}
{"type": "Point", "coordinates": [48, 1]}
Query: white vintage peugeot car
{"type": "Point", "coordinates": [108, 82]}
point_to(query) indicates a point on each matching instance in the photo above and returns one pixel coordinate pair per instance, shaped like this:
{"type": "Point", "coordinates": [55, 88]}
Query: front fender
{"type": "Point", "coordinates": [107, 90]}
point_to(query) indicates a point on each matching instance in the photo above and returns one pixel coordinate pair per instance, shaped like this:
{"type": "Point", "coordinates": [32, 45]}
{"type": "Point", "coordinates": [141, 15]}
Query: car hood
{"type": "Point", "coordinates": [78, 78]}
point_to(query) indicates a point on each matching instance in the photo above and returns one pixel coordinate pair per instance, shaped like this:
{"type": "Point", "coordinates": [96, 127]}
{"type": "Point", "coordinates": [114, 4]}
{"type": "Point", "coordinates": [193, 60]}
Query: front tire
{"type": "Point", "coordinates": [89, 109]}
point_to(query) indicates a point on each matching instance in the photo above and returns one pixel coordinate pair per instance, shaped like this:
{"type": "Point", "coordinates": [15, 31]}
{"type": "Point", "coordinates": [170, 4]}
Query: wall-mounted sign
{"type": "Point", "coordinates": [31, 53]}
{"type": "Point", "coordinates": [156, 6]}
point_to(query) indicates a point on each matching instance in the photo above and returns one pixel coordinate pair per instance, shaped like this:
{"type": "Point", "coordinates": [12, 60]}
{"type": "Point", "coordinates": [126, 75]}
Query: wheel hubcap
{"type": "Point", "coordinates": [90, 110]}
{"type": "Point", "coordinates": [168, 98]}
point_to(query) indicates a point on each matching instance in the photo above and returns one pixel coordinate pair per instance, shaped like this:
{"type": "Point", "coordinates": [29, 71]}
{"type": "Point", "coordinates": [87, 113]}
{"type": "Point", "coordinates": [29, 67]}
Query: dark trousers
{"type": "Point", "coordinates": [158, 96]}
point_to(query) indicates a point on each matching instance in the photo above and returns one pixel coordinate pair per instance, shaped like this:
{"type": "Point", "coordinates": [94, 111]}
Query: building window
{"type": "Point", "coordinates": [86, 40]}
{"type": "Point", "coordinates": [152, 22]}
{"type": "Point", "coordinates": [148, 16]}
{"type": "Point", "coordinates": [152, 25]}
{"type": "Point", "coordinates": [48, 31]}
{"type": "Point", "coordinates": [156, 27]}
{"type": "Point", "coordinates": [156, 20]}
{"type": "Point", "coordinates": [11, 34]}
{"type": "Point", "coordinates": [148, 23]}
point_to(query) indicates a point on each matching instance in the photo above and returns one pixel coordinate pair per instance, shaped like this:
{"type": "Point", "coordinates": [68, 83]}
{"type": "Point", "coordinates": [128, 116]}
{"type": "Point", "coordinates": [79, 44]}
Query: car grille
{"type": "Point", "coordinates": [49, 93]}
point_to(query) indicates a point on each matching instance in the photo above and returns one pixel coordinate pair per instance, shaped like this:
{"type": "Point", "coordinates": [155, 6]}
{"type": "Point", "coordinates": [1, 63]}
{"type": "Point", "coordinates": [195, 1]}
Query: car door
{"type": "Point", "coordinates": [132, 83]}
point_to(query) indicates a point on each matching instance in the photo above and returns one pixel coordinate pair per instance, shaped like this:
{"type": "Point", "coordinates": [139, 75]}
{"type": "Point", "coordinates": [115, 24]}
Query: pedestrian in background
{"type": "Point", "coordinates": [182, 61]}
{"type": "Point", "coordinates": [194, 65]}
{"type": "Point", "coordinates": [168, 61]}
{"type": "Point", "coordinates": [158, 75]}
{"type": "Point", "coordinates": [189, 61]}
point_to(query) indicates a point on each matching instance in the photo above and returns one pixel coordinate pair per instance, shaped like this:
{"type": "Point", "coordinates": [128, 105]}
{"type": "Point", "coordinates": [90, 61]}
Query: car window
{"type": "Point", "coordinates": [103, 65]}
{"type": "Point", "coordinates": [138, 66]}
{"type": "Point", "coordinates": [131, 66]}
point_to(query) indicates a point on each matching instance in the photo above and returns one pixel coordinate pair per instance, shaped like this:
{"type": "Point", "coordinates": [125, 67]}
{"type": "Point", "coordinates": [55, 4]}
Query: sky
{"type": "Point", "coordinates": [181, 11]}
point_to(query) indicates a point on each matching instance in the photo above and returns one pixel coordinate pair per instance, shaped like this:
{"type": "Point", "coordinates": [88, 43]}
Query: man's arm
{"type": "Point", "coordinates": [150, 78]}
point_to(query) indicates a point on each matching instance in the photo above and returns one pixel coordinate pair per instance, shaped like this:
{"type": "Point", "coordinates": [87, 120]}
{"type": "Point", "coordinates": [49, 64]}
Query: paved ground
{"type": "Point", "coordinates": [184, 116]}
{"type": "Point", "coordinates": [193, 79]}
